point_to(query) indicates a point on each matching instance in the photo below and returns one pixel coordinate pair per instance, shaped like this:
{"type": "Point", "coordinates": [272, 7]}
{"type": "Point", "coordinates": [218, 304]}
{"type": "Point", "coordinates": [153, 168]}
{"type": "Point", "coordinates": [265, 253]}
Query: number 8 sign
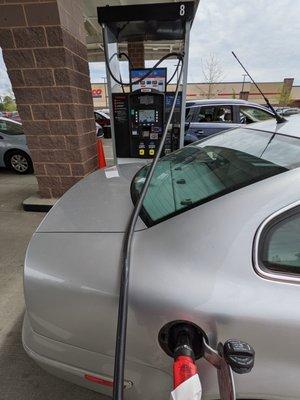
{"type": "Point", "coordinates": [182, 10]}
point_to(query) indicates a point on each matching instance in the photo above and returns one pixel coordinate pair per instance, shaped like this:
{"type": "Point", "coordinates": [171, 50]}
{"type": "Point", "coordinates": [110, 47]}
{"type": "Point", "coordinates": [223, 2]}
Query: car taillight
{"type": "Point", "coordinates": [105, 381]}
{"type": "Point", "coordinates": [98, 380]}
{"type": "Point", "coordinates": [184, 368]}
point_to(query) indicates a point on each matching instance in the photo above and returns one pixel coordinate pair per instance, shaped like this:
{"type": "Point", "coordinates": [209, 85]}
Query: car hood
{"type": "Point", "coordinates": [101, 202]}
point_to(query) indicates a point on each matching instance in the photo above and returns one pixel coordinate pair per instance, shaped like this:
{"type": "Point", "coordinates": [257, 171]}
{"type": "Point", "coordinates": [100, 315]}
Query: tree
{"type": "Point", "coordinates": [212, 72]}
{"type": "Point", "coordinates": [8, 103]}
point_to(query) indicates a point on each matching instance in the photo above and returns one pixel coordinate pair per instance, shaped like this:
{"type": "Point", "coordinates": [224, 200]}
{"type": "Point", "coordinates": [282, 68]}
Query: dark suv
{"type": "Point", "coordinates": [205, 117]}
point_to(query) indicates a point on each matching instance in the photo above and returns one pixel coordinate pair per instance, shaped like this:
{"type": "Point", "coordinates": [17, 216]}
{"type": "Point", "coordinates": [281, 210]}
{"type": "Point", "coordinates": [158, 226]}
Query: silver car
{"type": "Point", "coordinates": [217, 243]}
{"type": "Point", "coordinates": [14, 153]}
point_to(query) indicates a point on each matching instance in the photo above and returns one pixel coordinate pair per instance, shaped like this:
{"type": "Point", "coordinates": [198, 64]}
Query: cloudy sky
{"type": "Point", "coordinates": [264, 33]}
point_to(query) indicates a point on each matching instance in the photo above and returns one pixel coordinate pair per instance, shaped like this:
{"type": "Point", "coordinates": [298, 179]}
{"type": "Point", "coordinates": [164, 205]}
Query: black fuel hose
{"type": "Point", "coordinates": [118, 385]}
{"type": "Point", "coordinates": [120, 82]}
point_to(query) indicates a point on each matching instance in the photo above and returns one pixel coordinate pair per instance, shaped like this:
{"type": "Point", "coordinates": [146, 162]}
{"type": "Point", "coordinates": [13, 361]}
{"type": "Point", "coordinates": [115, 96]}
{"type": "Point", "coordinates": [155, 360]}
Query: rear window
{"type": "Point", "coordinates": [212, 168]}
{"type": "Point", "coordinates": [10, 127]}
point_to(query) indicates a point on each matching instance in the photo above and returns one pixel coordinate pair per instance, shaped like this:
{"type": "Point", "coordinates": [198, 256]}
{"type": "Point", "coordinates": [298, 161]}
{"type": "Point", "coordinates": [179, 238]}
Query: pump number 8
{"type": "Point", "coordinates": [182, 10]}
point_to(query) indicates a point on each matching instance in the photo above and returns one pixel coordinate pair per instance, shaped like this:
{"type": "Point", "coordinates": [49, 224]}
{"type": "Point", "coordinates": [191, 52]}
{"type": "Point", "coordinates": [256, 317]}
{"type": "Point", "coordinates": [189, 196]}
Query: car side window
{"type": "Point", "coordinates": [248, 115]}
{"type": "Point", "coordinates": [10, 128]}
{"type": "Point", "coordinates": [279, 249]}
{"type": "Point", "coordinates": [221, 114]}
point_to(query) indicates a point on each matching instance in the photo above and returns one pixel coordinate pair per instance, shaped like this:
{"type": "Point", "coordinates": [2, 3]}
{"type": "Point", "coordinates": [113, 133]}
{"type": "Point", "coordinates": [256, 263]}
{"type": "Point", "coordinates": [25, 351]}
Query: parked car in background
{"type": "Point", "coordinates": [206, 117]}
{"type": "Point", "coordinates": [287, 111]}
{"type": "Point", "coordinates": [103, 119]}
{"type": "Point", "coordinates": [217, 241]}
{"type": "Point", "coordinates": [15, 116]}
{"type": "Point", "coordinates": [6, 114]}
{"type": "Point", "coordinates": [99, 131]}
{"type": "Point", "coordinates": [14, 153]}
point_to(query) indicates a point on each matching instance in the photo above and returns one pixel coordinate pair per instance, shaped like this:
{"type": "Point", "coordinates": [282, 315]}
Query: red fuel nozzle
{"type": "Point", "coordinates": [184, 368]}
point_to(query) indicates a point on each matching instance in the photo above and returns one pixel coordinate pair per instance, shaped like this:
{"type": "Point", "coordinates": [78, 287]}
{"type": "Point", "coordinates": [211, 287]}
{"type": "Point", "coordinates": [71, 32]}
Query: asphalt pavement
{"type": "Point", "coordinates": [20, 377]}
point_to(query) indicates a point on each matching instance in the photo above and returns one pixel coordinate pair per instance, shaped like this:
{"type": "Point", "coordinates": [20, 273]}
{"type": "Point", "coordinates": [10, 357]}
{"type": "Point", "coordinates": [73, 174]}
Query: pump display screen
{"type": "Point", "coordinates": [146, 116]}
{"type": "Point", "coordinates": [156, 80]}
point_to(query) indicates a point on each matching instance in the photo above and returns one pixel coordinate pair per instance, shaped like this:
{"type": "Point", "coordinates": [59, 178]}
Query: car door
{"type": "Point", "coordinates": [276, 258]}
{"type": "Point", "coordinates": [209, 119]}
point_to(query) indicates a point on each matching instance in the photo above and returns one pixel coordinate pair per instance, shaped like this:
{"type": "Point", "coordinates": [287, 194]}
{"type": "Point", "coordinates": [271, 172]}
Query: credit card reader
{"type": "Point", "coordinates": [146, 122]}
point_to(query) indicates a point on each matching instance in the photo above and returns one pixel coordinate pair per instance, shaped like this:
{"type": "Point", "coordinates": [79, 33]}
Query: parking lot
{"type": "Point", "coordinates": [20, 377]}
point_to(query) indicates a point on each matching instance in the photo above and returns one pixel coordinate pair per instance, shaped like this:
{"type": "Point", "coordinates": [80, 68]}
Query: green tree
{"type": "Point", "coordinates": [8, 103]}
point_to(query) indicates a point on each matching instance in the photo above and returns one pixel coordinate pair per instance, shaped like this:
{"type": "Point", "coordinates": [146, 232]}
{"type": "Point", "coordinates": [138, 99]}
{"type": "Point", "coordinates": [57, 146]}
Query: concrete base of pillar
{"type": "Point", "coordinates": [37, 204]}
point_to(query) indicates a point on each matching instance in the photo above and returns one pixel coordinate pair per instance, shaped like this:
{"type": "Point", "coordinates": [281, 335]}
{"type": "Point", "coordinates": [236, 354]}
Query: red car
{"type": "Point", "coordinates": [103, 119]}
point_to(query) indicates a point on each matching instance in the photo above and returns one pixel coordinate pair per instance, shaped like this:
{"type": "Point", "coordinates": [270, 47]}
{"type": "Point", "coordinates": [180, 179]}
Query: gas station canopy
{"type": "Point", "coordinates": [153, 50]}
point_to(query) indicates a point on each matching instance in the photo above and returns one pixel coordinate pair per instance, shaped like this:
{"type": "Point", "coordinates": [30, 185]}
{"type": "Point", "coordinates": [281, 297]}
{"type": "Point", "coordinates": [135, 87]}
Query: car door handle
{"type": "Point", "coordinates": [200, 131]}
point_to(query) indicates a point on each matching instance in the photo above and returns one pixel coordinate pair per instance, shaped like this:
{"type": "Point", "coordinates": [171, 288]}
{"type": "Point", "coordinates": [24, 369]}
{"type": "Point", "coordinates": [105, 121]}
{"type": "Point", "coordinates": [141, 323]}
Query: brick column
{"type": "Point", "coordinates": [46, 59]}
{"type": "Point", "coordinates": [136, 53]}
{"type": "Point", "coordinates": [285, 95]}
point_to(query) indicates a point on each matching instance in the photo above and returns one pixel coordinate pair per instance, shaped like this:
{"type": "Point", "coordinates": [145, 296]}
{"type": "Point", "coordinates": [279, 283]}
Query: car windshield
{"type": "Point", "coordinates": [212, 168]}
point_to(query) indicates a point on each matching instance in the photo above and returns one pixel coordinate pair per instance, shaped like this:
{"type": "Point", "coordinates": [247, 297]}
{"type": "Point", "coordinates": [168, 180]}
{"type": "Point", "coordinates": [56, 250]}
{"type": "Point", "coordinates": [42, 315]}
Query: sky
{"type": "Point", "coordinates": [265, 34]}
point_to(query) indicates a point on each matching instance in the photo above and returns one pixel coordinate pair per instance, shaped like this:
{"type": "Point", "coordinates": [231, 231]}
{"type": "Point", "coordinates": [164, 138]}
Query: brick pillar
{"type": "Point", "coordinates": [136, 53]}
{"type": "Point", "coordinates": [46, 59]}
{"type": "Point", "coordinates": [285, 95]}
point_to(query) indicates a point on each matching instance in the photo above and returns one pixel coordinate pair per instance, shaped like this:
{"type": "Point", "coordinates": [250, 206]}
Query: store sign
{"type": "Point", "coordinates": [97, 93]}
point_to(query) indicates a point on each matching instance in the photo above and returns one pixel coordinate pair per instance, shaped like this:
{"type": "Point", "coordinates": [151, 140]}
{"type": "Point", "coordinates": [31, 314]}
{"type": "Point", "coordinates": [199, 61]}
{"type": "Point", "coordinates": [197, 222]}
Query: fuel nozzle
{"type": "Point", "coordinates": [182, 341]}
{"type": "Point", "coordinates": [184, 366]}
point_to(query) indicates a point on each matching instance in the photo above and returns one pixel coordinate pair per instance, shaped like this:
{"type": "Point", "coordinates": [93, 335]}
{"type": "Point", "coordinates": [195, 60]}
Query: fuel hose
{"type": "Point", "coordinates": [119, 366]}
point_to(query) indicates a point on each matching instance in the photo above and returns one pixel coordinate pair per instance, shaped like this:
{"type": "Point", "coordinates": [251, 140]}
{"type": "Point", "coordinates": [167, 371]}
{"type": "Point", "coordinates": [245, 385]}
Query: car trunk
{"type": "Point", "coordinates": [72, 265]}
{"type": "Point", "coordinates": [99, 203]}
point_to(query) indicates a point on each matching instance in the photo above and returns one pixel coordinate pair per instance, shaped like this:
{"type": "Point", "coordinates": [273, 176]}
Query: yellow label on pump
{"type": "Point", "coordinates": [151, 152]}
{"type": "Point", "coordinates": [141, 152]}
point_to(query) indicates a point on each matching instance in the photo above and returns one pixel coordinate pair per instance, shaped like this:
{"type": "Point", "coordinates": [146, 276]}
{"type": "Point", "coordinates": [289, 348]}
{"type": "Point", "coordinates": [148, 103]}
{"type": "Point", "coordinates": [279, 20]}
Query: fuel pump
{"type": "Point", "coordinates": [146, 122]}
{"type": "Point", "coordinates": [138, 120]}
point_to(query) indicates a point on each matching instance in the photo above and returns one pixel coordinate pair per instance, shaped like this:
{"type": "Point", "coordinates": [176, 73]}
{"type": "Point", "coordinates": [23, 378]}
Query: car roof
{"type": "Point", "coordinates": [291, 127]}
{"type": "Point", "coordinates": [10, 120]}
{"type": "Point", "coordinates": [221, 101]}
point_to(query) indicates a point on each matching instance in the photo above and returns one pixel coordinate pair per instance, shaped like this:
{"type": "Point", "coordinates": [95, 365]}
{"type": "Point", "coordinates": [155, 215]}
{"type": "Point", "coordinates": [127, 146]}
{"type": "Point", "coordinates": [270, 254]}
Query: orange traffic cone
{"type": "Point", "coordinates": [101, 156]}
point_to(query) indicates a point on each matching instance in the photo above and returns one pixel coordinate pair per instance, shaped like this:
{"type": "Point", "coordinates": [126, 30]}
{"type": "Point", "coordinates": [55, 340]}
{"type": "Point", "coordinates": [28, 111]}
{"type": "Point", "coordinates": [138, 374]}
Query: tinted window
{"type": "Point", "coordinates": [248, 115]}
{"type": "Point", "coordinates": [280, 248]}
{"type": "Point", "coordinates": [214, 114]}
{"type": "Point", "coordinates": [10, 128]}
{"type": "Point", "coordinates": [213, 167]}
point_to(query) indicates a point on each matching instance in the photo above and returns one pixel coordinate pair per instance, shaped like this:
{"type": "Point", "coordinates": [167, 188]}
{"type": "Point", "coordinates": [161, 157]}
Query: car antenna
{"type": "Point", "coordinates": [279, 119]}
